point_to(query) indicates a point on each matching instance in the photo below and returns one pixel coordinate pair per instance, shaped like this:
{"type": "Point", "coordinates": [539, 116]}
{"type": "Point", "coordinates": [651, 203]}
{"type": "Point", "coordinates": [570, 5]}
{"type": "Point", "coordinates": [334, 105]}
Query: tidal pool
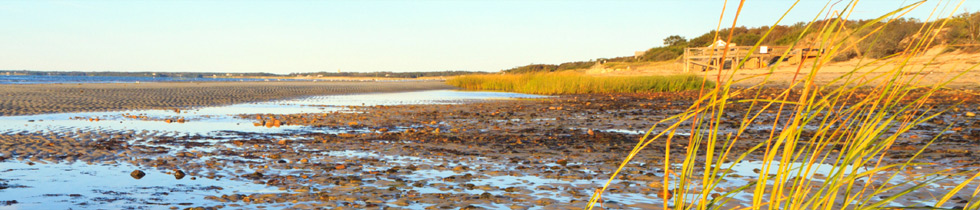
{"type": "Point", "coordinates": [32, 184]}
{"type": "Point", "coordinates": [80, 185]}
{"type": "Point", "coordinates": [206, 120]}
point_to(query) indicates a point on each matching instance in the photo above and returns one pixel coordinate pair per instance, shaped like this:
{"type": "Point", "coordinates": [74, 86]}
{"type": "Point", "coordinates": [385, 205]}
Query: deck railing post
{"type": "Point", "coordinates": [687, 62]}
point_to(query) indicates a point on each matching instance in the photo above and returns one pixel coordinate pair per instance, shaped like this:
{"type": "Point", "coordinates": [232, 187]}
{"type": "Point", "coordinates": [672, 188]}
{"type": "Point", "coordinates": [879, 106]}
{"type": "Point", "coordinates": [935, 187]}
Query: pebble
{"type": "Point", "coordinates": [302, 206]}
{"type": "Point", "coordinates": [137, 174]}
{"type": "Point", "coordinates": [179, 174]}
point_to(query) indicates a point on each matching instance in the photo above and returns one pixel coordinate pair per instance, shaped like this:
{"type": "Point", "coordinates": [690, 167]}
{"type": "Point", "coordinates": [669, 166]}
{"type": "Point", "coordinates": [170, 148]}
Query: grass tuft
{"type": "Point", "coordinates": [577, 83]}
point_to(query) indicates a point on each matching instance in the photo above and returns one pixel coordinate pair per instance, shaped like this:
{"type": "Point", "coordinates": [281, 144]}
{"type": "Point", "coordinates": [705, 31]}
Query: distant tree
{"type": "Point", "coordinates": [966, 26]}
{"type": "Point", "coordinates": [675, 40]}
{"type": "Point", "coordinates": [704, 40]}
{"type": "Point", "coordinates": [746, 39]}
{"type": "Point", "coordinates": [891, 39]}
{"type": "Point", "coordinates": [533, 68]}
{"type": "Point", "coordinates": [662, 53]}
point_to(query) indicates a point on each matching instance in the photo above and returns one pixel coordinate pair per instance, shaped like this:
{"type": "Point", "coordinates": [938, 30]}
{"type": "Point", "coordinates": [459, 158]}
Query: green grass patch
{"type": "Point", "coordinates": [573, 83]}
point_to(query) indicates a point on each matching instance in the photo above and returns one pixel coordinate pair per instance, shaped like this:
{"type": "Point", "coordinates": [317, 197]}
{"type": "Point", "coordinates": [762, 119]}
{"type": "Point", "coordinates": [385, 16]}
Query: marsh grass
{"type": "Point", "coordinates": [576, 83]}
{"type": "Point", "coordinates": [838, 124]}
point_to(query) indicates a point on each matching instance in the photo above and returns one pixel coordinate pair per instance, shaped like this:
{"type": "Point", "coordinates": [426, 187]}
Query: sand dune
{"type": "Point", "coordinates": [931, 67]}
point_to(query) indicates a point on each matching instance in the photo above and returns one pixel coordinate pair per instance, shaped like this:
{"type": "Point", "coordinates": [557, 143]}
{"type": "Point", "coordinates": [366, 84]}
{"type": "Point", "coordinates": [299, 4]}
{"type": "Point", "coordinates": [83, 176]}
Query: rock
{"type": "Point", "coordinates": [401, 202]}
{"type": "Point", "coordinates": [302, 206]}
{"type": "Point", "coordinates": [544, 201]}
{"type": "Point", "coordinates": [665, 194]}
{"type": "Point", "coordinates": [470, 207]}
{"type": "Point", "coordinates": [563, 162]}
{"type": "Point", "coordinates": [655, 184]}
{"type": "Point", "coordinates": [179, 174]}
{"type": "Point", "coordinates": [8, 203]}
{"type": "Point", "coordinates": [255, 175]}
{"type": "Point", "coordinates": [137, 174]}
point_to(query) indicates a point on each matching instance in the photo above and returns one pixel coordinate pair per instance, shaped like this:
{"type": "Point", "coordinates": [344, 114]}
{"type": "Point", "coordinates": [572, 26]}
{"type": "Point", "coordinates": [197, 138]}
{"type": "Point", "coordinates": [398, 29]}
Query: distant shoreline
{"type": "Point", "coordinates": [45, 79]}
{"type": "Point", "coordinates": [260, 75]}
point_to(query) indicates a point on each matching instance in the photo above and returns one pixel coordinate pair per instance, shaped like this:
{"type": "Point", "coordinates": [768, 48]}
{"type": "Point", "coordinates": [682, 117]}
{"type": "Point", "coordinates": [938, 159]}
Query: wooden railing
{"type": "Point", "coordinates": [715, 57]}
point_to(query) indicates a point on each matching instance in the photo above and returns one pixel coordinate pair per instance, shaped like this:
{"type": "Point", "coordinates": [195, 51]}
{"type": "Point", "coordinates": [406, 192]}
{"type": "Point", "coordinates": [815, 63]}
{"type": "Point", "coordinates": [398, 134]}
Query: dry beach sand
{"type": "Point", "coordinates": [929, 68]}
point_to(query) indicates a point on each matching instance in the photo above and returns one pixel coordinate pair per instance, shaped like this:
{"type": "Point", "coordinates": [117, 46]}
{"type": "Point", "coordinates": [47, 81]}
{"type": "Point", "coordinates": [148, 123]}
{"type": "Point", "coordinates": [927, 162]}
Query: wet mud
{"type": "Point", "coordinates": [518, 153]}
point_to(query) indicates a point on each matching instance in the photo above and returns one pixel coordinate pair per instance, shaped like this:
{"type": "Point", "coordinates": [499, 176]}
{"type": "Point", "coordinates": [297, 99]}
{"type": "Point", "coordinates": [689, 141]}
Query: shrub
{"type": "Point", "coordinates": [663, 53]}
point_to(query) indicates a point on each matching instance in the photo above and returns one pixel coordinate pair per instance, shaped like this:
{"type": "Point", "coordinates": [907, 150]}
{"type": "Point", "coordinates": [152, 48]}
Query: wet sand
{"type": "Point", "coordinates": [512, 154]}
{"type": "Point", "coordinates": [56, 98]}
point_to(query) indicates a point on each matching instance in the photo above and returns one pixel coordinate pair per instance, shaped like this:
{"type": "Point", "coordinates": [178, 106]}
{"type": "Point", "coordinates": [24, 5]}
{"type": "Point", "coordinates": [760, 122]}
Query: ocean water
{"type": "Point", "coordinates": [20, 79]}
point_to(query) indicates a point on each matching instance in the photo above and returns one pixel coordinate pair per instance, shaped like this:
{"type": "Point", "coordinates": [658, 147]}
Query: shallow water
{"type": "Point", "coordinates": [73, 185]}
{"type": "Point", "coordinates": [44, 79]}
{"type": "Point", "coordinates": [216, 127]}
{"type": "Point", "coordinates": [206, 120]}
{"type": "Point", "coordinates": [70, 185]}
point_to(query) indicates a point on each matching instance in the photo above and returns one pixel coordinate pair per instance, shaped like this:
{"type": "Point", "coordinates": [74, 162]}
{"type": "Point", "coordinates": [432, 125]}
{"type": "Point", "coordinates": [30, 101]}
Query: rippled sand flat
{"type": "Point", "coordinates": [51, 98]}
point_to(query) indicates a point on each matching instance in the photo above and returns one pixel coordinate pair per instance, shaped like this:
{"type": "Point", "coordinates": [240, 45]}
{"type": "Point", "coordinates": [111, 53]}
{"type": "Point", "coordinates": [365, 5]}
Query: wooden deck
{"type": "Point", "coordinates": [708, 58]}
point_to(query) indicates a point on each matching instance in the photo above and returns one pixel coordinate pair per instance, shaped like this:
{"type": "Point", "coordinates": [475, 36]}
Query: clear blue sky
{"type": "Point", "coordinates": [306, 36]}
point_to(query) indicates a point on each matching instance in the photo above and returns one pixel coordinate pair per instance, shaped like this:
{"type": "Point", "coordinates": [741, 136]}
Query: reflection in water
{"type": "Point", "coordinates": [76, 184]}
{"type": "Point", "coordinates": [63, 186]}
{"type": "Point", "coordinates": [205, 120]}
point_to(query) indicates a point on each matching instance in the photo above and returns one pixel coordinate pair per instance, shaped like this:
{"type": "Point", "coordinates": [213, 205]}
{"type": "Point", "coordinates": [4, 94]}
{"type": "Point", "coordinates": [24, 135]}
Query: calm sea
{"type": "Point", "coordinates": [13, 79]}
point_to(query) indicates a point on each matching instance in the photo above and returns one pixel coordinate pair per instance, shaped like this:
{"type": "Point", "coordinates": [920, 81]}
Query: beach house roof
{"type": "Point", "coordinates": [721, 43]}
